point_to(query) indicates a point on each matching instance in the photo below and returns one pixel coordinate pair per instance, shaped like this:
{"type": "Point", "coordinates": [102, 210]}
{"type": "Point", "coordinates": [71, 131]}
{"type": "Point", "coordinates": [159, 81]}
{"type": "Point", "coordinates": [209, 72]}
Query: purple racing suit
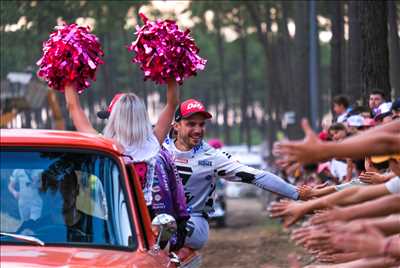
{"type": "Point", "coordinates": [168, 193]}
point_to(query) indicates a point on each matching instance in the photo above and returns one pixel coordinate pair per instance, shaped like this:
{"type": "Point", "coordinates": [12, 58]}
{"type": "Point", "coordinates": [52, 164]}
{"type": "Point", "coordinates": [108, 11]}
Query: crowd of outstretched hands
{"type": "Point", "coordinates": [355, 227]}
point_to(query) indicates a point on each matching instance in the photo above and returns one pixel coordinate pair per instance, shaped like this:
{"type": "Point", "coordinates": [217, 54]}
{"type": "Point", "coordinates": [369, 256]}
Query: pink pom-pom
{"type": "Point", "coordinates": [71, 55]}
{"type": "Point", "coordinates": [163, 51]}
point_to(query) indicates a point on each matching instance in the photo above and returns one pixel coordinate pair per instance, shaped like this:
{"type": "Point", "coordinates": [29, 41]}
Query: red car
{"type": "Point", "coordinates": [68, 200]}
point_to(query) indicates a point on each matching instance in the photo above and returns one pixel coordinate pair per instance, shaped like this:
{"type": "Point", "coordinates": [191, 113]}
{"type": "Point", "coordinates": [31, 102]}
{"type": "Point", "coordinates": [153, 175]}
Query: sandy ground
{"type": "Point", "coordinates": [250, 239]}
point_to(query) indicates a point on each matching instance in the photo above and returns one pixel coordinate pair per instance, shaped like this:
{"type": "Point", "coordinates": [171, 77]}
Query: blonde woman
{"type": "Point", "coordinates": [129, 125]}
{"type": "Point", "coordinates": [128, 122]}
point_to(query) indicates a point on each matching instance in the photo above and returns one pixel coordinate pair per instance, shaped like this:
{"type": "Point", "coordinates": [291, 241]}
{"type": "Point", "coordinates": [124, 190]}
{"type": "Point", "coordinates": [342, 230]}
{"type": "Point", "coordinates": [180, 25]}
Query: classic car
{"type": "Point", "coordinates": [68, 200]}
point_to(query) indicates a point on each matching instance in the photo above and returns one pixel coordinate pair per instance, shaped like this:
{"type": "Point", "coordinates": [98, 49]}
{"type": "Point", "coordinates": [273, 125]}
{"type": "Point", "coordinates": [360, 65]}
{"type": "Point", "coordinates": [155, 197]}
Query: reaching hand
{"type": "Point", "coordinates": [320, 186]}
{"type": "Point", "coordinates": [338, 257]}
{"type": "Point", "coordinates": [290, 211]}
{"type": "Point", "coordinates": [305, 192]}
{"type": "Point", "coordinates": [318, 239]}
{"type": "Point", "coordinates": [334, 214]}
{"type": "Point", "coordinates": [300, 235]}
{"type": "Point", "coordinates": [304, 151]}
{"type": "Point", "coordinates": [369, 243]}
{"type": "Point", "coordinates": [372, 177]}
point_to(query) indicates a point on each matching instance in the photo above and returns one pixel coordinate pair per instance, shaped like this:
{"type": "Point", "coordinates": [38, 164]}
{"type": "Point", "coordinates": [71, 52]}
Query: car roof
{"type": "Point", "coordinates": [56, 138]}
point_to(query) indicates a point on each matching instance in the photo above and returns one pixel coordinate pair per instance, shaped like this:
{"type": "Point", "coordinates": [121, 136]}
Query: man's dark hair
{"type": "Point", "coordinates": [341, 100]}
{"type": "Point", "coordinates": [358, 110]}
{"type": "Point", "coordinates": [378, 92]}
{"type": "Point", "coordinates": [337, 126]}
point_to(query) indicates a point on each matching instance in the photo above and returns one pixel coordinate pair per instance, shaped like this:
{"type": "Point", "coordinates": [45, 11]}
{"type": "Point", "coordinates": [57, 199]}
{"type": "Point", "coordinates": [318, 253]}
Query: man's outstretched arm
{"type": "Point", "coordinates": [271, 182]}
{"type": "Point", "coordinates": [234, 171]}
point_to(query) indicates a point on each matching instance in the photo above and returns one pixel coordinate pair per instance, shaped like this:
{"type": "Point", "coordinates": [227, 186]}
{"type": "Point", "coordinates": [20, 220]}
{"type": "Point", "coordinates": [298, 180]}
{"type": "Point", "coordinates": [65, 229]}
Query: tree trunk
{"type": "Point", "coordinates": [105, 71]}
{"type": "Point", "coordinates": [276, 81]}
{"type": "Point", "coordinates": [287, 55]}
{"type": "Point", "coordinates": [216, 115]}
{"type": "Point", "coordinates": [286, 50]}
{"type": "Point", "coordinates": [244, 101]}
{"type": "Point", "coordinates": [302, 45]}
{"type": "Point", "coordinates": [269, 77]}
{"type": "Point", "coordinates": [38, 118]}
{"type": "Point", "coordinates": [354, 52]}
{"type": "Point", "coordinates": [394, 48]}
{"type": "Point", "coordinates": [336, 47]}
{"type": "Point", "coordinates": [374, 47]}
{"type": "Point", "coordinates": [221, 53]}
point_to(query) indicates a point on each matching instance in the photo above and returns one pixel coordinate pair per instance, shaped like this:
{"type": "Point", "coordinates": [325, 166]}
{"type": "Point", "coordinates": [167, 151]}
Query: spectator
{"type": "Point", "coordinates": [396, 109]}
{"type": "Point", "coordinates": [376, 98]}
{"type": "Point", "coordinates": [364, 230]}
{"type": "Point", "coordinates": [384, 113]}
{"type": "Point", "coordinates": [368, 123]}
{"type": "Point", "coordinates": [216, 143]}
{"type": "Point", "coordinates": [354, 123]}
{"type": "Point", "coordinates": [381, 174]}
{"type": "Point", "coordinates": [338, 167]}
{"type": "Point", "coordinates": [378, 140]}
{"type": "Point", "coordinates": [293, 211]}
{"type": "Point", "coordinates": [325, 124]}
{"type": "Point", "coordinates": [360, 110]}
{"type": "Point", "coordinates": [341, 108]}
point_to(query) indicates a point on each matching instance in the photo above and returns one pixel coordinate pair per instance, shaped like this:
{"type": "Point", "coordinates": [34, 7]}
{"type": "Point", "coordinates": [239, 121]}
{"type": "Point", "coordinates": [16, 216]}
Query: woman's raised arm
{"type": "Point", "coordinates": [79, 118]}
{"type": "Point", "coordinates": [163, 124]}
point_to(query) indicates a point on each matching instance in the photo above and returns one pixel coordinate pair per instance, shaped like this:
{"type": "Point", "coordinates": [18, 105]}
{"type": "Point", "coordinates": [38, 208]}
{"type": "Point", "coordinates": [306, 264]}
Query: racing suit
{"type": "Point", "coordinates": [199, 169]}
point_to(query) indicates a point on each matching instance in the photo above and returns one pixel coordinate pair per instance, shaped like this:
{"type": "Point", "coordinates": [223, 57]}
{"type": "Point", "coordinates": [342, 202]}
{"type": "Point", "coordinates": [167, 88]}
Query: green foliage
{"type": "Point", "coordinates": [21, 49]}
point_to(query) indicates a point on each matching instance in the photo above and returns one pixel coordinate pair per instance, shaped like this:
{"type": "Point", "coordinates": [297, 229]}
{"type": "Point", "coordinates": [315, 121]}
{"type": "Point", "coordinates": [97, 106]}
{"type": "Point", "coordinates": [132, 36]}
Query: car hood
{"type": "Point", "coordinates": [34, 257]}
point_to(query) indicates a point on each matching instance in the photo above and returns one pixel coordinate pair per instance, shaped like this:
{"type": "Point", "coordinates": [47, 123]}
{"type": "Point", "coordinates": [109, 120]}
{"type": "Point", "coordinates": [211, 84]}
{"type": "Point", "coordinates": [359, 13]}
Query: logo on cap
{"type": "Point", "coordinates": [194, 105]}
{"type": "Point", "coordinates": [190, 107]}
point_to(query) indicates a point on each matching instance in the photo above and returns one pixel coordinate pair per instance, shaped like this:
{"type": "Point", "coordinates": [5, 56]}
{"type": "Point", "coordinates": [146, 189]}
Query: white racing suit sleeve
{"type": "Point", "coordinates": [273, 183]}
{"type": "Point", "coordinates": [232, 170]}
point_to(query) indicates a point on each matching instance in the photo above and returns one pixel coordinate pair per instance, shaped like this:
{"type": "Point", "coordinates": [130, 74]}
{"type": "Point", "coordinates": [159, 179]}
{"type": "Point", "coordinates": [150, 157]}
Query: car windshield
{"type": "Point", "coordinates": [64, 197]}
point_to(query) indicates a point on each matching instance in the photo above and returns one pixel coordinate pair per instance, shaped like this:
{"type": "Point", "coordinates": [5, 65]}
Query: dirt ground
{"type": "Point", "coordinates": [250, 239]}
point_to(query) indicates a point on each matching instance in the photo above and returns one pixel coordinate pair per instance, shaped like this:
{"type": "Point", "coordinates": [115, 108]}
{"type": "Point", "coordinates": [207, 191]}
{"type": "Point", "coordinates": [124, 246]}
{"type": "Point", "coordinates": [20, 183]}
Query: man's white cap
{"type": "Point", "coordinates": [355, 121]}
{"type": "Point", "coordinates": [383, 109]}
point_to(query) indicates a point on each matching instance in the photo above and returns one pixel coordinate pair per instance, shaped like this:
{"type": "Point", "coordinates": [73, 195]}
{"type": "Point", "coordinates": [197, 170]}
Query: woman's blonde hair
{"type": "Point", "coordinates": [129, 122]}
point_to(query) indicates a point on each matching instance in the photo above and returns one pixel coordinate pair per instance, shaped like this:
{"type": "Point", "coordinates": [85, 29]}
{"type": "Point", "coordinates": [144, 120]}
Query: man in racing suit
{"type": "Point", "coordinates": [199, 165]}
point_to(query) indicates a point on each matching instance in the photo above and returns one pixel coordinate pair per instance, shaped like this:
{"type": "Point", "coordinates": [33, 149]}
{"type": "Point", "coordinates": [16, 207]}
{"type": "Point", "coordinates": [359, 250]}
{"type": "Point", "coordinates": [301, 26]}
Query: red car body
{"type": "Point", "coordinates": [70, 256]}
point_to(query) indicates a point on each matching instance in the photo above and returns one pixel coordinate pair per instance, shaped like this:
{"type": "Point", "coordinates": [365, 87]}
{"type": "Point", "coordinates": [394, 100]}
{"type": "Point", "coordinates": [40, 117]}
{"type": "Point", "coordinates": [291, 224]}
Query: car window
{"type": "Point", "coordinates": [64, 197]}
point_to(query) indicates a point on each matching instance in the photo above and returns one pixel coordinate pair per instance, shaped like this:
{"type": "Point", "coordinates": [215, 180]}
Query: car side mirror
{"type": "Point", "coordinates": [163, 226]}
